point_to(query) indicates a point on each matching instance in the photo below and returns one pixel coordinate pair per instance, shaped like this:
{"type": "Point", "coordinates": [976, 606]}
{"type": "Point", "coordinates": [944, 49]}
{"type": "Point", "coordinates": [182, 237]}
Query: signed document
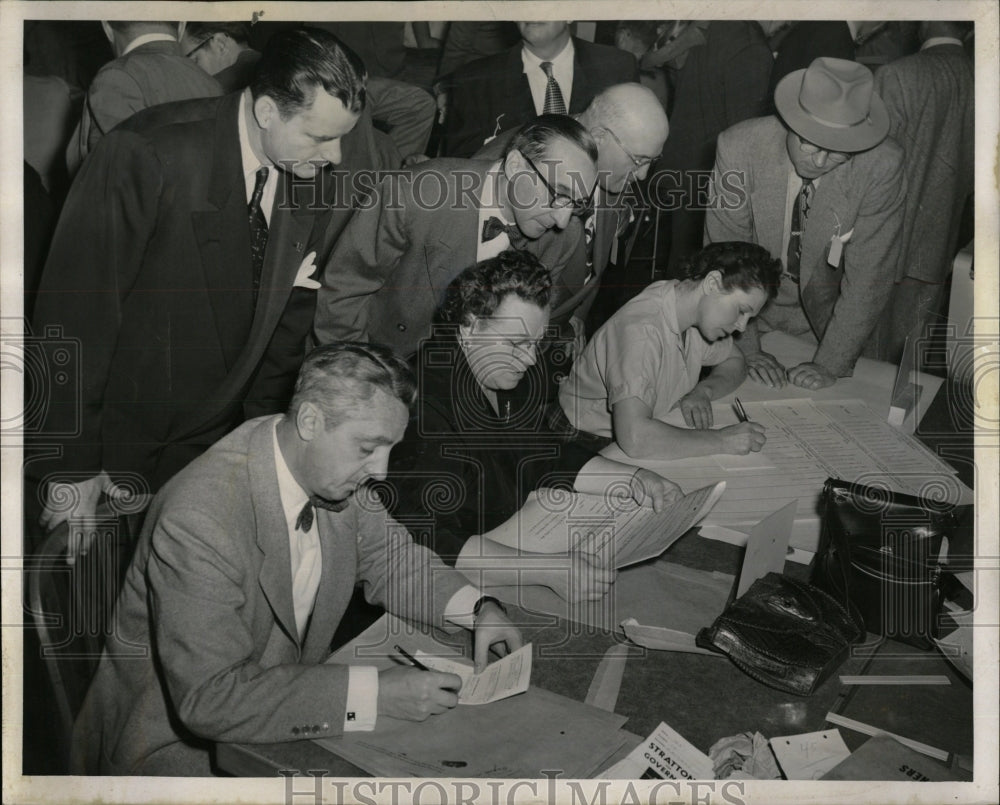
{"type": "Point", "coordinates": [505, 677]}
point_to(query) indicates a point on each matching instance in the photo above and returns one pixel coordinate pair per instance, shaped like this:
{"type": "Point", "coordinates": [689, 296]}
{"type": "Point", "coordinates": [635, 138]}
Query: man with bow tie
{"type": "Point", "coordinates": [389, 270]}
{"type": "Point", "coordinates": [244, 568]}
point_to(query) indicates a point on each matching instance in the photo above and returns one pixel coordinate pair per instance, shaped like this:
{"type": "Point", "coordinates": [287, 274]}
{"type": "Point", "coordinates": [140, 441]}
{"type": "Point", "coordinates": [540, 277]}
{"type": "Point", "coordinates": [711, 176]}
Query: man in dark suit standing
{"type": "Point", "coordinates": [195, 220]}
{"type": "Point", "coordinates": [550, 71]}
{"type": "Point", "coordinates": [388, 273]}
{"type": "Point", "coordinates": [930, 97]}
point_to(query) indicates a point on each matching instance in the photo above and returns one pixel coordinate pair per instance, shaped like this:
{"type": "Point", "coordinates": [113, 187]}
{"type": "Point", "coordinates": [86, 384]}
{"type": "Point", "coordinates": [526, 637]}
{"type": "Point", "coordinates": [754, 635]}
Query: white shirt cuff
{"type": "Point", "coordinates": [459, 608]}
{"type": "Point", "coordinates": [362, 698]}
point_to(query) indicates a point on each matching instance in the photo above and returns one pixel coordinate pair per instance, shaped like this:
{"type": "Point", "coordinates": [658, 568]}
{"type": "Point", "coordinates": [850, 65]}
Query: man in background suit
{"type": "Point", "coordinates": [222, 49]}
{"type": "Point", "coordinates": [930, 97]}
{"type": "Point", "coordinates": [824, 189]}
{"type": "Point", "coordinates": [149, 70]}
{"type": "Point", "coordinates": [389, 270]}
{"type": "Point", "coordinates": [243, 570]}
{"type": "Point", "coordinates": [198, 220]}
{"type": "Point", "coordinates": [629, 126]}
{"type": "Point", "coordinates": [504, 91]}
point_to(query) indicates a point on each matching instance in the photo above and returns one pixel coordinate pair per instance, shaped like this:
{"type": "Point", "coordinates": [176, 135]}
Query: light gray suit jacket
{"type": "Point", "coordinates": [931, 103]}
{"type": "Point", "coordinates": [390, 268]}
{"type": "Point", "coordinates": [863, 197]}
{"type": "Point", "coordinates": [206, 647]}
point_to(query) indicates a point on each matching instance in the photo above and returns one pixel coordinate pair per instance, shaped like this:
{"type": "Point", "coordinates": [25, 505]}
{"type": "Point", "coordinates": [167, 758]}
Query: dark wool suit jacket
{"type": "Point", "coordinates": [389, 270]}
{"type": "Point", "coordinates": [206, 646]}
{"type": "Point", "coordinates": [150, 274]}
{"type": "Point", "coordinates": [496, 88]}
{"type": "Point", "coordinates": [930, 98]}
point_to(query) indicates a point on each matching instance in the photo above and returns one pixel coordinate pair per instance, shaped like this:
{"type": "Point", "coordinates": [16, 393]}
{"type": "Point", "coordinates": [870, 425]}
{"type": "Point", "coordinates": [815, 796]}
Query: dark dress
{"type": "Point", "coordinates": [462, 468]}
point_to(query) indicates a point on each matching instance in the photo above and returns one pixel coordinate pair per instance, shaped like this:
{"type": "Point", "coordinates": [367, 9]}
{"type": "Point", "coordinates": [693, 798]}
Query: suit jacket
{"type": "Point", "coordinates": [494, 91]}
{"type": "Point", "coordinates": [154, 73]}
{"type": "Point", "coordinates": [930, 98]}
{"type": "Point", "coordinates": [864, 197]}
{"type": "Point", "coordinates": [389, 270]}
{"type": "Point", "coordinates": [206, 647]}
{"type": "Point", "coordinates": [150, 274]}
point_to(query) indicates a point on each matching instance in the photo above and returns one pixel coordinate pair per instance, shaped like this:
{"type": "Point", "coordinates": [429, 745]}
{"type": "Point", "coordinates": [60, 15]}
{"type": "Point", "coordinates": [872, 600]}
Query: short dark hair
{"type": "Point", "coordinates": [341, 377]}
{"type": "Point", "coordinates": [743, 265]}
{"type": "Point", "coordinates": [534, 138]}
{"type": "Point", "coordinates": [479, 290]}
{"type": "Point", "coordinates": [294, 61]}
{"type": "Point", "coordinates": [238, 31]}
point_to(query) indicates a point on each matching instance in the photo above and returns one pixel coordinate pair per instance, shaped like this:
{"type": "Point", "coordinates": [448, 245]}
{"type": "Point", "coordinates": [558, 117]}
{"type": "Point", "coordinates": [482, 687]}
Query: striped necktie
{"type": "Point", "coordinates": [258, 231]}
{"type": "Point", "coordinates": [800, 213]}
{"type": "Point", "coordinates": [554, 103]}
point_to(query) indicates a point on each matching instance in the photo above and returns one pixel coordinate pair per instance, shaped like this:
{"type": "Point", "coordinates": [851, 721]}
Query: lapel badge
{"type": "Point", "coordinates": [299, 247]}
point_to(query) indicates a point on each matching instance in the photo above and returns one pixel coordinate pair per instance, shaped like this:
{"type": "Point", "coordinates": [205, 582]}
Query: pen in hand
{"type": "Point", "coordinates": [741, 414]}
{"type": "Point", "coordinates": [417, 664]}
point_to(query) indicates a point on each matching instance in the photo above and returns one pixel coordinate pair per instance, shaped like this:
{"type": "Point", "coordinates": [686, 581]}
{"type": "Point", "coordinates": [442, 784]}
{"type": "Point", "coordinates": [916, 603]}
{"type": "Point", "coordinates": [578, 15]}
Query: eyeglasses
{"type": "Point", "coordinates": [640, 162]}
{"type": "Point", "coordinates": [838, 157]}
{"type": "Point", "coordinates": [199, 46]}
{"type": "Point", "coordinates": [559, 201]}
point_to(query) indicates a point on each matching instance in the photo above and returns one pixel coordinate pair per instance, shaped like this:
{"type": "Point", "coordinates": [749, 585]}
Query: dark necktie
{"type": "Point", "coordinates": [305, 519]}
{"type": "Point", "coordinates": [258, 231]}
{"type": "Point", "coordinates": [800, 213]}
{"type": "Point", "coordinates": [589, 227]}
{"type": "Point", "coordinates": [493, 227]}
{"type": "Point", "coordinates": [554, 103]}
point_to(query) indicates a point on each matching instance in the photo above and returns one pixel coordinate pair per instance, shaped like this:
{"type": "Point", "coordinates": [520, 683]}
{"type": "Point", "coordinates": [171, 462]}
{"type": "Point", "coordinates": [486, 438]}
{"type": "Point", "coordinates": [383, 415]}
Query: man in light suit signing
{"type": "Point", "coordinates": [823, 189]}
{"type": "Point", "coordinates": [246, 562]}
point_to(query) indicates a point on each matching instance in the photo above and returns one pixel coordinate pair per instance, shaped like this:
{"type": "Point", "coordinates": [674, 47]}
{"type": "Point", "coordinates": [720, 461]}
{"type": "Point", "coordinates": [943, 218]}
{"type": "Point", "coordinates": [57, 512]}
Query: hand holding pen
{"type": "Point", "coordinates": [414, 692]}
{"type": "Point", "coordinates": [745, 437]}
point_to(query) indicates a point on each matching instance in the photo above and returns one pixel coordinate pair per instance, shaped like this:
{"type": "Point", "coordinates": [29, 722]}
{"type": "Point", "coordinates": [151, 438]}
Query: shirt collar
{"type": "Point", "coordinates": [488, 202]}
{"type": "Point", "coordinates": [564, 57]}
{"type": "Point", "coordinates": [293, 497]}
{"type": "Point", "coordinates": [934, 41]}
{"type": "Point", "coordinates": [139, 41]}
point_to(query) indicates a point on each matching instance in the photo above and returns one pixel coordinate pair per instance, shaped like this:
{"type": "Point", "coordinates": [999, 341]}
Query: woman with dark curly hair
{"type": "Point", "coordinates": [479, 443]}
{"type": "Point", "coordinates": [647, 358]}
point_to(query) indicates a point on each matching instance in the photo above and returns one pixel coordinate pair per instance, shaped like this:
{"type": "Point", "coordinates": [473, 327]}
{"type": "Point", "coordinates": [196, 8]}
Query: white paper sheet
{"type": "Point", "coordinates": [810, 755]}
{"type": "Point", "coordinates": [505, 677]}
{"type": "Point", "coordinates": [665, 755]}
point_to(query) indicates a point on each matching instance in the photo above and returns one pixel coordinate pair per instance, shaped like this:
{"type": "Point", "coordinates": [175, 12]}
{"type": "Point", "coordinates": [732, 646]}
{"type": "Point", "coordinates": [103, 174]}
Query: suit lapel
{"type": "Point", "coordinates": [517, 97]}
{"type": "Point", "coordinates": [770, 192]}
{"type": "Point", "coordinates": [582, 82]}
{"type": "Point", "coordinates": [275, 576]}
{"type": "Point", "coordinates": [338, 547]}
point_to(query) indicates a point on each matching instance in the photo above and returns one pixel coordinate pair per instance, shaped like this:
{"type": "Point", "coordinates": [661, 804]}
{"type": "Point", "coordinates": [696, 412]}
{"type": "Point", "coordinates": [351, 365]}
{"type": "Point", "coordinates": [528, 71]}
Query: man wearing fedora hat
{"type": "Point", "coordinates": [824, 189]}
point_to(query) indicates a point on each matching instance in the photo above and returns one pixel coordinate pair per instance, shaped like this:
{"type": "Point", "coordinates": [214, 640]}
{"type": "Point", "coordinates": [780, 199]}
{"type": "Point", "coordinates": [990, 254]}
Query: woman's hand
{"type": "Point", "coordinates": [696, 406]}
{"type": "Point", "coordinates": [650, 489]}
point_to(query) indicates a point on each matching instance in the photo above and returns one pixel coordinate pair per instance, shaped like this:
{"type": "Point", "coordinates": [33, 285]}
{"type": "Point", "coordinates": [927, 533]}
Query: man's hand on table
{"type": "Point", "coordinates": [811, 376]}
{"type": "Point", "coordinates": [413, 694]}
{"type": "Point", "coordinates": [493, 630]}
{"type": "Point", "coordinates": [742, 438]}
{"type": "Point", "coordinates": [696, 406]}
{"type": "Point", "coordinates": [766, 369]}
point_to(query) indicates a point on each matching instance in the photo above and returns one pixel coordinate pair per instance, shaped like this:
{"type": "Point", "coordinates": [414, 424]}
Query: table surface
{"type": "Point", "coordinates": [706, 698]}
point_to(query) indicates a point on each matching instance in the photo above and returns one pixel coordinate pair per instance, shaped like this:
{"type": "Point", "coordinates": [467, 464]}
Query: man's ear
{"type": "Point", "coordinates": [512, 164]}
{"type": "Point", "coordinates": [309, 421]}
{"type": "Point", "coordinates": [265, 111]}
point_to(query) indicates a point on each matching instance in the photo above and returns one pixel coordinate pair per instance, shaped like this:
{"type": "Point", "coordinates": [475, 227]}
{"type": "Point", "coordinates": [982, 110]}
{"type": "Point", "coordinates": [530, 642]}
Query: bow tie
{"type": "Point", "coordinates": [494, 227]}
{"type": "Point", "coordinates": [305, 519]}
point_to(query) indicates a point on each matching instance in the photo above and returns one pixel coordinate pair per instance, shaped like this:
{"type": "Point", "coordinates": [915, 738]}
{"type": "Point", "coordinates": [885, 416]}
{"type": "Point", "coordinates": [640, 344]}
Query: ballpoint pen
{"type": "Point", "coordinates": [411, 658]}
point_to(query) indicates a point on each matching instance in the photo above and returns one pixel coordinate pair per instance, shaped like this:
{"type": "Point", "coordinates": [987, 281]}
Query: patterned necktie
{"type": "Point", "coordinates": [493, 227]}
{"type": "Point", "coordinates": [554, 103]}
{"type": "Point", "coordinates": [800, 214]}
{"type": "Point", "coordinates": [305, 519]}
{"type": "Point", "coordinates": [589, 227]}
{"type": "Point", "coordinates": [258, 231]}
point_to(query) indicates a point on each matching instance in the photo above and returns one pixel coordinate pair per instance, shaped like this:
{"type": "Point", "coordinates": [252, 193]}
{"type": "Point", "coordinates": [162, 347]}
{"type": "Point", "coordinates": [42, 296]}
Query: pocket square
{"type": "Point", "coordinates": [303, 277]}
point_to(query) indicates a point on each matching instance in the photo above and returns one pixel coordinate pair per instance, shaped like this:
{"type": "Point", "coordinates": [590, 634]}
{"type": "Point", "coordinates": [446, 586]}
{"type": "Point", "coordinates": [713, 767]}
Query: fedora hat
{"type": "Point", "coordinates": [833, 104]}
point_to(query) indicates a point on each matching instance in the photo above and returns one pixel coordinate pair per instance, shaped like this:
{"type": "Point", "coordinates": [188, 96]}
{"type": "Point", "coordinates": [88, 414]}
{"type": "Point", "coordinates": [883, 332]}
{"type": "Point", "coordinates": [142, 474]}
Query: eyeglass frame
{"type": "Point", "coordinates": [199, 46]}
{"type": "Point", "coordinates": [580, 207]}
{"type": "Point", "coordinates": [638, 162]}
{"type": "Point", "coordinates": [810, 148]}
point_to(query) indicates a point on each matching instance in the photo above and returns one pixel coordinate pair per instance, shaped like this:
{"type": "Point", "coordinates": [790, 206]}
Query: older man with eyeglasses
{"type": "Point", "coordinates": [823, 188]}
{"type": "Point", "coordinates": [389, 270]}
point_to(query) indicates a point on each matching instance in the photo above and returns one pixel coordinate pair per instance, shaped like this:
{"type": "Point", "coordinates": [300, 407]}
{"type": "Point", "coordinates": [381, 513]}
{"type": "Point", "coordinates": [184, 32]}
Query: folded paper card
{"type": "Point", "coordinates": [505, 677]}
{"type": "Point", "coordinates": [664, 755]}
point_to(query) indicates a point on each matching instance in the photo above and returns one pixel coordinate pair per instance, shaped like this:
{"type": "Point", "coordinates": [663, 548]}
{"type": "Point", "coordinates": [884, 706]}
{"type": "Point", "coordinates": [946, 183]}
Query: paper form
{"type": "Point", "coordinates": [664, 755]}
{"type": "Point", "coordinates": [810, 755]}
{"type": "Point", "coordinates": [505, 677]}
{"type": "Point", "coordinates": [553, 521]}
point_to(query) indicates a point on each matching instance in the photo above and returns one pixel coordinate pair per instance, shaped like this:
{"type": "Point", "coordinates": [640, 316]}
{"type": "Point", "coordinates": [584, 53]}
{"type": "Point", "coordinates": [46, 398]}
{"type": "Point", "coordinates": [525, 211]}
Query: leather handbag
{"type": "Point", "coordinates": [880, 555]}
{"type": "Point", "coordinates": [785, 633]}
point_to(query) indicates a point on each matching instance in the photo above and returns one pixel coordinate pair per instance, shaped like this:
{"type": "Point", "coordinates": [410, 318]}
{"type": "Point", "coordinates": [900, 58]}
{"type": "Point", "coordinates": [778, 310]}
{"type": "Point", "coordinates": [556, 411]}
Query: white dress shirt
{"type": "Point", "coordinates": [251, 163]}
{"type": "Point", "coordinates": [307, 568]}
{"type": "Point", "coordinates": [562, 71]}
{"type": "Point", "coordinates": [139, 41]}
